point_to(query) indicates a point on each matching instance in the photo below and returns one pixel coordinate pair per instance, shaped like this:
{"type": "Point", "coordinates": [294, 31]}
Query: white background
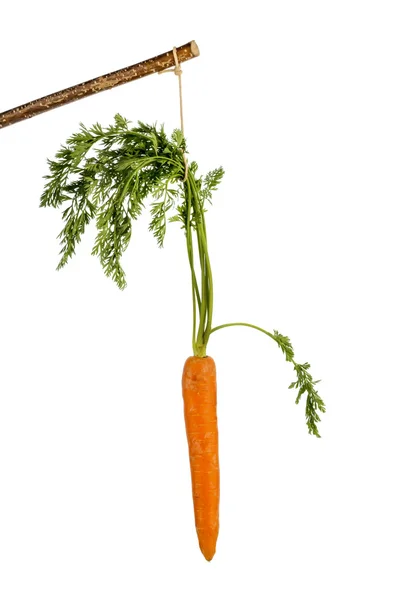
{"type": "Point", "coordinates": [299, 101]}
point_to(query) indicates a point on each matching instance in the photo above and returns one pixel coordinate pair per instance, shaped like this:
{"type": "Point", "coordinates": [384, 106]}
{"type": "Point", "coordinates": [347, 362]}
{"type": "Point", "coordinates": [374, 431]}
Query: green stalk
{"type": "Point", "coordinates": [206, 301]}
{"type": "Point", "coordinates": [304, 383]}
{"type": "Point", "coordinates": [243, 325]}
{"type": "Point", "coordinates": [195, 288]}
{"type": "Point", "coordinates": [189, 243]}
{"type": "Point", "coordinates": [210, 299]}
{"type": "Point", "coordinates": [203, 310]}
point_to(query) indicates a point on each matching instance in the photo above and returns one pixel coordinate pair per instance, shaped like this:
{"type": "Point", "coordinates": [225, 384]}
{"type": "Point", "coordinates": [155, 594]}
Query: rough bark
{"type": "Point", "coordinates": [99, 84]}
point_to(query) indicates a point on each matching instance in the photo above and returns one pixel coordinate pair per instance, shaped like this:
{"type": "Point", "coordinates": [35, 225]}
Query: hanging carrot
{"type": "Point", "coordinates": [127, 165]}
{"type": "Point", "coordinates": [199, 385]}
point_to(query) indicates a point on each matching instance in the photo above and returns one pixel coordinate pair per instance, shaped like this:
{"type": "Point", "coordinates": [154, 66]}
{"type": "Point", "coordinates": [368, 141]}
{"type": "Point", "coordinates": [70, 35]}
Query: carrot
{"type": "Point", "coordinates": [199, 387]}
{"type": "Point", "coordinates": [128, 165]}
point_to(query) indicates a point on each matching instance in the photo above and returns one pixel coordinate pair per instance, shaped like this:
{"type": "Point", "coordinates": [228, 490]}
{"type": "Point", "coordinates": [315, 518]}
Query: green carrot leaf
{"type": "Point", "coordinates": [105, 175]}
{"type": "Point", "coordinates": [210, 184]}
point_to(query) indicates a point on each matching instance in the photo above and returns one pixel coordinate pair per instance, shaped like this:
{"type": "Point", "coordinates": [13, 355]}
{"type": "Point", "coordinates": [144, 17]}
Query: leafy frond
{"type": "Point", "coordinates": [114, 234]}
{"type": "Point", "coordinates": [210, 184]}
{"type": "Point", "coordinates": [179, 140]}
{"type": "Point", "coordinates": [314, 403]}
{"type": "Point", "coordinates": [304, 384]}
{"type": "Point", "coordinates": [285, 345]}
{"type": "Point", "coordinates": [158, 224]}
{"type": "Point", "coordinates": [105, 174]}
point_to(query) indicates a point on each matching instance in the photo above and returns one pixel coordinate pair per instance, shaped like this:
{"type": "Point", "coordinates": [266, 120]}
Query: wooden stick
{"type": "Point", "coordinates": [99, 84]}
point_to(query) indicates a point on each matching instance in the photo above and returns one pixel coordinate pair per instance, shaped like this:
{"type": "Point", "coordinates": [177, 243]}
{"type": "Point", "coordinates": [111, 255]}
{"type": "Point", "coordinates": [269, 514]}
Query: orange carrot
{"type": "Point", "coordinates": [199, 386]}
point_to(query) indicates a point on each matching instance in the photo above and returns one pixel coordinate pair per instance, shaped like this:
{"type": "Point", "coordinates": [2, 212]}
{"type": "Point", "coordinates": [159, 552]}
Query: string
{"type": "Point", "coordinates": [177, 70]}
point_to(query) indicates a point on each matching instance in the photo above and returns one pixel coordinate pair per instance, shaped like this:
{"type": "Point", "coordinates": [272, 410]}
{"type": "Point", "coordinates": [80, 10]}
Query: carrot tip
{"type": "Point", "coordinates": [207, 553]}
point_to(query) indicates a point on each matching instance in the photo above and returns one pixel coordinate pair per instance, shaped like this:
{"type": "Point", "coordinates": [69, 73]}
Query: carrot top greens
{"type": "Point", "coordinates": [106, 175]}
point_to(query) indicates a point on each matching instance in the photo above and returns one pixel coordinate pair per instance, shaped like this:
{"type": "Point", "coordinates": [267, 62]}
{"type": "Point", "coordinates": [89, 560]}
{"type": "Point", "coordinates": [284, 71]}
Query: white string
{"type": "Point", "coordinates": [177, 70]}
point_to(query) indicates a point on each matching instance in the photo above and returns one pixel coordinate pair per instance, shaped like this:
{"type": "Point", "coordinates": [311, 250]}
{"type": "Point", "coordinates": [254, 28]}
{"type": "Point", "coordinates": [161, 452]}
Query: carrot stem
{"type": "Point", "coordinates": [195, 288]}
{"type": "Point", "coordinates": [271, 335]}
{"type": "Point", "coordinates": [195, 211]}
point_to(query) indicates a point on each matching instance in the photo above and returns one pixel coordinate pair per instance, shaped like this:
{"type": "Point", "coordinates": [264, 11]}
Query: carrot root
{"type": "Point", "coordinates": [200, 409]}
